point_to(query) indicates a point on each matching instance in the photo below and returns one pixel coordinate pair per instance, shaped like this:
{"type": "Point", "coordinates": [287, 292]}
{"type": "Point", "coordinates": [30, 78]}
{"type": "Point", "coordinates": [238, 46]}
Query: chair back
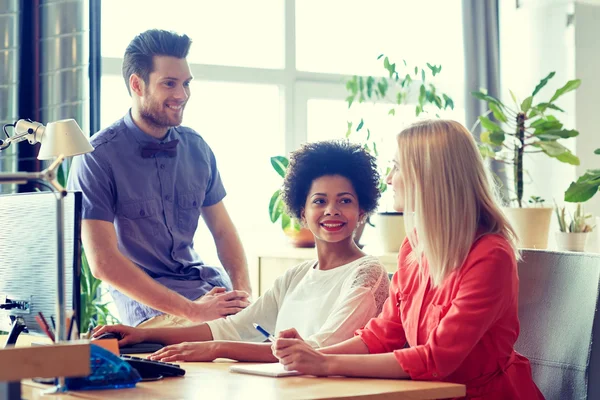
{"type": "Point", "coordinates": [560, 328]}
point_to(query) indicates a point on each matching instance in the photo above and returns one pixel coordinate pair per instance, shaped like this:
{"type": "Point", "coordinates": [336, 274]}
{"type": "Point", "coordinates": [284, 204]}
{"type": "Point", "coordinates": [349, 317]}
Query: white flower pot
{"type": "Point", "coordinates": [532, 225]}
{"type": "Point", "coordinates": [571, 241]}
{"type": "Point", "coordinates": [391, 232]}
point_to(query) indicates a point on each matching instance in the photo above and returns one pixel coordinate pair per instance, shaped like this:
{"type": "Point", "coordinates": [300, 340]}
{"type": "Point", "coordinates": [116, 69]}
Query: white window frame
{"type": "Point", "coordinates": [296, 87]}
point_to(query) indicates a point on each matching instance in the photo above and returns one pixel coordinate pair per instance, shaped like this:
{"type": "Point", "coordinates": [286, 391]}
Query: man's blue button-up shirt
{"type": "Point", "coordinates": [154, 203]}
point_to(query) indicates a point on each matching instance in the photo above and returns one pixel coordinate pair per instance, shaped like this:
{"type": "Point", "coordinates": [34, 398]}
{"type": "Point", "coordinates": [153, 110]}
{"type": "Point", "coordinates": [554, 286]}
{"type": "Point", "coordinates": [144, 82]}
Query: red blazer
{"type": "Point", "coordinates": [464, 330]}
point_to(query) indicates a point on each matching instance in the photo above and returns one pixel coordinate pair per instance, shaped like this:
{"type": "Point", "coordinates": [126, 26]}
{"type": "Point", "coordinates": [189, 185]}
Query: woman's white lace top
{"type": "Point", "coordinates": [325, 306]}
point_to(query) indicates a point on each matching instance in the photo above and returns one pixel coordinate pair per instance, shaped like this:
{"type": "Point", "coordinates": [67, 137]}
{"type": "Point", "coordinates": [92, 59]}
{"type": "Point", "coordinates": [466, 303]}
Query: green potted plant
{"type": "Point", "coordinates": [572, 235]}
{"type": "Point", "coordinates": [299, 236]}
{"type": "Point", "coordinates": [584, 189]}
{"type": "Point", "coordinates": [525, 128]}
{"type": "Point", "coordinates": [93, 310]}
{"type": "Point", "coordinates": [394, 89]}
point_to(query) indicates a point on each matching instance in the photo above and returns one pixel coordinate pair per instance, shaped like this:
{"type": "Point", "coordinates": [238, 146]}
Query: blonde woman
{"type": "Point", "coordinates": [454, 296]}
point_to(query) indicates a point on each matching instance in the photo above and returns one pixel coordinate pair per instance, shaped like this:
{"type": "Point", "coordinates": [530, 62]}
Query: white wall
{"type": "Point", "coordinates": [587, 98]}
{"type": "Point", "coordinates": [562, 36]}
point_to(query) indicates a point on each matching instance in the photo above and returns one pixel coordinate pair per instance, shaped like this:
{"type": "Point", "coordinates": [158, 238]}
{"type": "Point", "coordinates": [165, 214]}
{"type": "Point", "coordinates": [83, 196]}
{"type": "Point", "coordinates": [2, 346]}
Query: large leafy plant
{"type": "Point", "coordinates": [585, 187]}
{"type": "Point", "coordinates": [394, 89]}
{"type": "Point", "coordinates": [525, 128]}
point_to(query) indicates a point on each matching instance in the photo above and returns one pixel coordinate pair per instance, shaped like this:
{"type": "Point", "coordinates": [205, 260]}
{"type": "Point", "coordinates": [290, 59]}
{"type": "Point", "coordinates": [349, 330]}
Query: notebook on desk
{"type": "Point", "coordinates": [275, 370]}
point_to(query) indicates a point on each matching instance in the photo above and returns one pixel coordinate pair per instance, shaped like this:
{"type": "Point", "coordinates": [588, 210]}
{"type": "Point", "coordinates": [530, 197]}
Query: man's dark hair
{"type": "Point", "coordinates": [331, 157]}
{"type": "Point", "coordinates": [139, 55]}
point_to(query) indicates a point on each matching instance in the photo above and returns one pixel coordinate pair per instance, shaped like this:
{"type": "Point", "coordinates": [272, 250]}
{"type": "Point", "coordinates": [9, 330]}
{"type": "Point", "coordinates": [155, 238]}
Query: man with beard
{"type": "Point", "coordinates": [145, 186]}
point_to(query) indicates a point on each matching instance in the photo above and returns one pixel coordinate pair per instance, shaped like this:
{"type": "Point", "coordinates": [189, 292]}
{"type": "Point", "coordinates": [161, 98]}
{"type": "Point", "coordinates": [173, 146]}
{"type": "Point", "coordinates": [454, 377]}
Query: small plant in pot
{"type": "Point", "coordinates": [583, 190]}
{"type": "Point", "coordinates": [522, 129]}
{"type": "Point", "coordinates": [299, 236]}
{"type": "Point", "coordinates": [395, 90]}
{"type": "Point", "coordinates": [573, 235]}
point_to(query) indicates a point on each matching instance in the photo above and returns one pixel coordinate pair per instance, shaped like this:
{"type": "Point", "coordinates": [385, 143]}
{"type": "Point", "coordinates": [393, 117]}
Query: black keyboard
{"type": "Point", "coordinates": [139, 348]}
{"type": "Point", "coordinates": [153, 370]}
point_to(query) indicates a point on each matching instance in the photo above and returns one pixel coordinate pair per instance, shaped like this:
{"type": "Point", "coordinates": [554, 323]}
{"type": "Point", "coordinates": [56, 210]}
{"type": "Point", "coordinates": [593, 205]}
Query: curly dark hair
{"type": "Point", "coordinates": [330, 157]}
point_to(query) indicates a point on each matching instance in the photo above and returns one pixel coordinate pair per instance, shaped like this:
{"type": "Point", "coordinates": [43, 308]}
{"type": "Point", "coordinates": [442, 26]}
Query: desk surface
{"type": "Point", "coordinates": [214, 381]}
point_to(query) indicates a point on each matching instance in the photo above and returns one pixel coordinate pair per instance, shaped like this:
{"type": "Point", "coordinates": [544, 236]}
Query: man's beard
{"type": "Point", "coordinates": [153, 116]}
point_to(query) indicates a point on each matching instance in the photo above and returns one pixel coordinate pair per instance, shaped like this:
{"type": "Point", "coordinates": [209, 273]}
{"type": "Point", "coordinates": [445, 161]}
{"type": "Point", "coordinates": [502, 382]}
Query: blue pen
{"type": "Point", "coordinates": [269, 337]}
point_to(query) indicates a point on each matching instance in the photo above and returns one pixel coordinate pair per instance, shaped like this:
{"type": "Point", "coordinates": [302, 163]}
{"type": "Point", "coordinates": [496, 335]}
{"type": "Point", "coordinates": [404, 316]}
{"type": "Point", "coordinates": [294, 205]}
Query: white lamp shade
{"type": "Point", "coordinates": [63, 137]}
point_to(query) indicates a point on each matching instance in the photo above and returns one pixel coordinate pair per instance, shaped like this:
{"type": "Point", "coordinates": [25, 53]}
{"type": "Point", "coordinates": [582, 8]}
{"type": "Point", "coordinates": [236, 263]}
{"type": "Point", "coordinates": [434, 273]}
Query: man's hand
{"type": "Point", "coordinates": [246, 289]}
{"type": "Point", "coordinates": [218, 304]}
{"type": "Point", "coordinates": [195, 351]}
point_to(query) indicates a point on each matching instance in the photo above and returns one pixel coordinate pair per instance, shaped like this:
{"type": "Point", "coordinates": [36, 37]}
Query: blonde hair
{"type": "Point", "coordinates": [448, 193]}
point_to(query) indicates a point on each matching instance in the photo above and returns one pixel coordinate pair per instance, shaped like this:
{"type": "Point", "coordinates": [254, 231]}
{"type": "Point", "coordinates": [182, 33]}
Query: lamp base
{"type": "Point", "coordinates": [55, 389]}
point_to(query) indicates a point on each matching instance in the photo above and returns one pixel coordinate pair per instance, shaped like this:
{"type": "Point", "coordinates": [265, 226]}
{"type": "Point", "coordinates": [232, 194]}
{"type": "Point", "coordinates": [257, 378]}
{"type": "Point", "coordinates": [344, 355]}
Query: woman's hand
{"type": "Point", "coordinates": [295, 354]}
{"type": "Point", "coordinates": [186, 351]}
{"type": "Point", "coordinates": [128, 335]}
{"type": "Point", "coordinates": [291, 333]}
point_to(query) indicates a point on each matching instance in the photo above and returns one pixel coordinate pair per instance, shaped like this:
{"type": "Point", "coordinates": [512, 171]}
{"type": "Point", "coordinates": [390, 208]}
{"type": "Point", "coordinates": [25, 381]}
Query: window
{"type": "Point", "coordinates": [115, 105]}
{"type": "Point", "coordinates": [345, 37]}
{"type": "Point", "coordinates": [229, 32]}
{"type": "Point", "coordinates": [269, 75]}
{"type": "Point", "coordinates": [242, 125]}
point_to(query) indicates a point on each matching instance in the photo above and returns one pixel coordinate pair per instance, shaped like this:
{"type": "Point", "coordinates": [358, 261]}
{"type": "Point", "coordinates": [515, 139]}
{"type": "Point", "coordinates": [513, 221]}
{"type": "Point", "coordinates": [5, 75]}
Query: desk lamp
{"type": "Point", "coordinates": [59, 139]}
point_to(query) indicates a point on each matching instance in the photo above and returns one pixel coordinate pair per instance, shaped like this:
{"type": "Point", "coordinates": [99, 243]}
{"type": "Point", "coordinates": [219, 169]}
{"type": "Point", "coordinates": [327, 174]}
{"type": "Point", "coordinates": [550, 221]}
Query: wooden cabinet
{"type": "Point", "coordinates": [274, 262]}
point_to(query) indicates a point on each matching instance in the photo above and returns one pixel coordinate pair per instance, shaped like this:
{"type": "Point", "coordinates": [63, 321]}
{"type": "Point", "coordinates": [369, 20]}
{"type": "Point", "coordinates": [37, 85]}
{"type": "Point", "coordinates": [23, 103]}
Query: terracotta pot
{"type": "Point", "coordinates": [531, 224]}
{"type": "Point", "coordinates": [301, 238]}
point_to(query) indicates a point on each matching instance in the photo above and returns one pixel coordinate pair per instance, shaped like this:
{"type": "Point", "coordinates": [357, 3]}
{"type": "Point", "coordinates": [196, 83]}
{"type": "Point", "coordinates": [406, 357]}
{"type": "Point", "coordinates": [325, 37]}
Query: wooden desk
{"type": "Point", "coordinates": [214, 381]}
{"type": "Point", "coordinates": [273, 262]}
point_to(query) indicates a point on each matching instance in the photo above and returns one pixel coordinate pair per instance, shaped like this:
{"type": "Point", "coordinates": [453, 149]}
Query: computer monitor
{"type": "Point", "coordinates": [28, 255]}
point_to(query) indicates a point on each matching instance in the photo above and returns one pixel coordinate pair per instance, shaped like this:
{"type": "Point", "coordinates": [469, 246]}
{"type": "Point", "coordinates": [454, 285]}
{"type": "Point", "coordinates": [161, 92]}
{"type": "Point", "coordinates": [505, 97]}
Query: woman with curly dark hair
{"type": "Point", "coordinates": [331, 186]}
